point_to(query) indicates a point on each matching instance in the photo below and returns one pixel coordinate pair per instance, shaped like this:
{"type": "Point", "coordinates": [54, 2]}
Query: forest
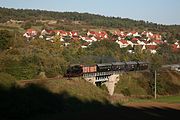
{"type": "Point", "coordinates": [91, 19]}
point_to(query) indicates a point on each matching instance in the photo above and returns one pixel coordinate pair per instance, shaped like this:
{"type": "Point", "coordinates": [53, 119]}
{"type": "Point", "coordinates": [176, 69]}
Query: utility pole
{"type": "Point", "coordinates": [155, 84]}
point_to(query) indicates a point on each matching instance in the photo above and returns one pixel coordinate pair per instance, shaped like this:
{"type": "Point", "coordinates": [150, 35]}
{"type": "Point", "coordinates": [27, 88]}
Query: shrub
{"type": "Point", "coordinates": [21, 70]}
{"type": "Point", "coordinates": [5, 39]}
{"type": "Point", "coordinates": [6, 80]}
{"type": "Point", "coordinates": [126, 92]}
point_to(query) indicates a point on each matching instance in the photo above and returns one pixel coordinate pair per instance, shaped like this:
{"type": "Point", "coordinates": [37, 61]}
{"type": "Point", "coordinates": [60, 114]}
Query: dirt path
{"type": "Point", "coordinates": [154, 104]}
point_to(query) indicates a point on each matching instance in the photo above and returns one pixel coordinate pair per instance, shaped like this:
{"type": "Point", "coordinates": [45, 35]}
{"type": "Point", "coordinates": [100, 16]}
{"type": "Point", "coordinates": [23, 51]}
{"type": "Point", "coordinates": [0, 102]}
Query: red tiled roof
{"type": "Point", "coordinates": [124, 41]}
{"type": "Point", "coordinates": [86, 44]}
{"type": "Point", "coordinates": [152, 47]}
{"type": "Point", "coordinates": [100, 34]}
{"type": "Point", "coordinates": [135, 39]}
{"type": "Point", "coordinates": [87, 38]}
{"type": "Point", "coordinates": [133, 32]}
{"type": "Point", "coordinates": [158, 41]}
{"type": "Point", "coordinates": [174, 48]}
{"type": "Point", "coordinates": [92, 32]}
{"type": "Point", "coordinates": [30, 30]}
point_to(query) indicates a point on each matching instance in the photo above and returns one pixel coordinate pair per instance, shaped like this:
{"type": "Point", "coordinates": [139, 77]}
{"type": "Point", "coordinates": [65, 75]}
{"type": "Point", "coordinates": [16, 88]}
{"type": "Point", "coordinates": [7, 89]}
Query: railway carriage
{"type": "Point", "coordinates": [143, 65]}
{"type": "Point", "coordinates": [104, 67]}
{"type": "Point", "coordinates": [118, 66]}
{"type": "Point", "coordinates": [131, 66]}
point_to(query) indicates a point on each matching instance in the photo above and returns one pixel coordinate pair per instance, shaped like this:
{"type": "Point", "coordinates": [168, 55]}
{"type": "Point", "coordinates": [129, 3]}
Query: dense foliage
{"type": "Point", "coordinates": [5, 39]}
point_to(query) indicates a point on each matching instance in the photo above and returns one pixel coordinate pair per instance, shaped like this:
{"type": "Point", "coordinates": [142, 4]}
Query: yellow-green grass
{"type": "Point", "coordinates": [78, 88]}
{"type": "Point", "coordinates": [163, 99]}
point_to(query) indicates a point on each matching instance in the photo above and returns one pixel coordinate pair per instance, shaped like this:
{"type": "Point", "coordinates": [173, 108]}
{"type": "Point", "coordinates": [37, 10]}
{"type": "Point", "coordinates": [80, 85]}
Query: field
{"type": "Point", "coordinates": [161, 102]}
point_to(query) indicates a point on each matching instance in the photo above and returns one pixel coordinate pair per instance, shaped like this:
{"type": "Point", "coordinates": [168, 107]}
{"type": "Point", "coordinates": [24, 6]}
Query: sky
{"type": "Point", "coordinates": [157, 11]}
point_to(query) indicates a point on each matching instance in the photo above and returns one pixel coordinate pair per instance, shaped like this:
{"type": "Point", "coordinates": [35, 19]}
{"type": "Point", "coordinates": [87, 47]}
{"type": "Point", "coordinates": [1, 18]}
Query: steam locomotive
{"type": "Point", "coordinates": [79, 70]}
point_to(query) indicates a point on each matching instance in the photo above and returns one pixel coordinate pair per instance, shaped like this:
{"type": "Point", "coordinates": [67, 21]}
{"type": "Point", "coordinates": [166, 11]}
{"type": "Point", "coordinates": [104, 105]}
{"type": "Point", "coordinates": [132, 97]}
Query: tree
{"type": "Point", "coordinates": [27, 25]}
{"type": "Point", "coordinates": [156, 62]}
{"type": "Point", "coordinates": [5, 39]}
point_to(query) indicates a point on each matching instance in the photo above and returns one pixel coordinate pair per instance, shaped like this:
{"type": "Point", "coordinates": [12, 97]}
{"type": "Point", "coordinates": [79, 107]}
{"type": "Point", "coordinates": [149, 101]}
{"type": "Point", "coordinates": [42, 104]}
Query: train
{"type": "Point", "coordinates": [78, 69]}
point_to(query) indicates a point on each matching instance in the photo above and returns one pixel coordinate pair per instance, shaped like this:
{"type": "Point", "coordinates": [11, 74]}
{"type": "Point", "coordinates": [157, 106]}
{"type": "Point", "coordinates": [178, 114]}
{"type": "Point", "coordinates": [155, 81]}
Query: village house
{"type": "Point", "coordinates": [30, 34]}
{"type": "Point", "coordinates": [98, 35]}
{"type": "Point", "coordinates": [151, 48]}
{"type": "Point", "coordinates": [122, 43]}
{"type": "Point", "coordinates": [85, 45]}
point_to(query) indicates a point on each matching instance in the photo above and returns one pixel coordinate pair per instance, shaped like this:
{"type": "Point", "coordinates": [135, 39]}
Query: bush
{"type": "Point", "coordinates": [103, 87]}
{"type": "Point", "coordinates": [5, 39]}
{"type": "Point", "coordinates": [126, 92]}
{"type": "Point", "coordinates": [20, 70]}
{"type": "Point", "coordinates": [6, 81]}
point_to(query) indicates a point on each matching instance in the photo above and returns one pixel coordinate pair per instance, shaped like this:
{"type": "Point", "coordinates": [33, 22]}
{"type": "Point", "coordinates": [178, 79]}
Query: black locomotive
{"type": "Point", "coordinates": [74, 71]}
{"type": "Point", "coordinates": [79, 70]}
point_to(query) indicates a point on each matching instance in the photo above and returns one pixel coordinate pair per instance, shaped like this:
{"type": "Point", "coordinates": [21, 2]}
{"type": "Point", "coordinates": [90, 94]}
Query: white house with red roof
{"type": "Point", "coordinates": [122, 43]}
{"type": "Point", "coordinates": [61, 32]}
{"type": "Point", "coordinates": [93, 33]}
{"type": "Point", "coordinates": [87, 39]}
{"type": "Point", "coordinates": [176, 47]}
{"type": "Point", "coordinates": [134, 40]}
{"type": "Point", "coordinates": [93, 38]}
{"type": "Point", "coordinates": [152, 48]}
{"type": "Point", "coordinates": [130, 43]}
{"type": "Point", "coordinates": [135, 34]}
{"type": "Point", "coordinates": [147, 34]}
{"type": "Point", "coordinates": [139, 42]}
{"type": "Point", "coordinates": [98, 35]}
{"type": "Point", "coordinates": [157, 37]}
{"type": "Point", "coordinates": [177, 42]}
{"type": "Point", "coordinates": [85, 45]}
{"type": "Point", "coordinates": [157, 42]}
{"type": "Point", "coordinates": [30, 33]}
{"type": "Point", "coordinates": [45, 32]}
{"type": "Point", "coordinates": [73, 34]}
{"type": "Point", "coordinates": [48, 34]}
{"type": "Point", "coordinates": [119, 33]}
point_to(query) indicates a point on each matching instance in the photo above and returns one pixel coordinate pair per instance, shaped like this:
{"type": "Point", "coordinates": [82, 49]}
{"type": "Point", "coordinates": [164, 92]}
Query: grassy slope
{"type": "Point", "coordinates": [60, 98]}
{"type": "Point", "coordinates": [132, 84]}
{"type": "Point", "coordinates": [168, 83]}
{"type": "Point", "coordinates": [78, 88]}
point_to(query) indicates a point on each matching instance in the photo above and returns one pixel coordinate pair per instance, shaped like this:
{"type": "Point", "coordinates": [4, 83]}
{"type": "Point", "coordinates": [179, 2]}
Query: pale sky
{"type": "Point", "coordinates": [158, 11]}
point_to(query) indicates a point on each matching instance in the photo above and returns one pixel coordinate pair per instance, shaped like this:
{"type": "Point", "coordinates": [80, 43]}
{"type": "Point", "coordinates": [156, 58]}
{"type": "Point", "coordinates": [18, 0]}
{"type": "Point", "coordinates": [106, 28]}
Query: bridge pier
{"type": "Point", "coordinates": [109, 79]}
{"type": "Point", "coordinates": [110, 84]}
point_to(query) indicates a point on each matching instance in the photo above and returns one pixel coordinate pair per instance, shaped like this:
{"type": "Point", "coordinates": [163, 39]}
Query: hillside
{"type": "Point", "coordinates": [79, 88]}
{"type": "Point", "coordinates": [61, 98]}
{"type": "Point", "coordinates": [85, 19]}
{"type": "Point", "coordinates": [142, 84]}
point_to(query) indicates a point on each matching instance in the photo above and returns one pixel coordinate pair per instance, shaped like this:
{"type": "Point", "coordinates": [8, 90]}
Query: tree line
{"type": "Point", "coordinates": [91, 19]}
